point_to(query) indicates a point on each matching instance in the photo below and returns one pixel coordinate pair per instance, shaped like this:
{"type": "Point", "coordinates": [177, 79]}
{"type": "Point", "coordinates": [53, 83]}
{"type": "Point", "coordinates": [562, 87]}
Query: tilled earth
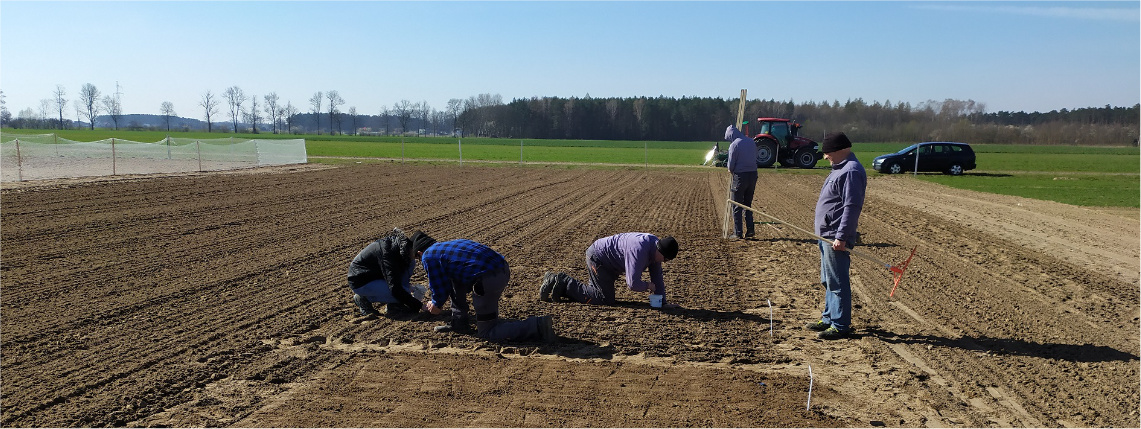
{"type": "Point", "coordinates": [220, 300]}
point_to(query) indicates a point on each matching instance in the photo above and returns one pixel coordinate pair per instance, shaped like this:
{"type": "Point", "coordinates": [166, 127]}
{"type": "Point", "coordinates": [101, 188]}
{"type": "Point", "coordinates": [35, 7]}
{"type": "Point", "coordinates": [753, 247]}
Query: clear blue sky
{"type": "Point", "coordinates": [1015, 56]}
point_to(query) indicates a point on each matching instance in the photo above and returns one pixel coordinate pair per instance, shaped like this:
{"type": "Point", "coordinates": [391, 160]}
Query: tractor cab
{"type": "Point", "coordinates": [777, 128]}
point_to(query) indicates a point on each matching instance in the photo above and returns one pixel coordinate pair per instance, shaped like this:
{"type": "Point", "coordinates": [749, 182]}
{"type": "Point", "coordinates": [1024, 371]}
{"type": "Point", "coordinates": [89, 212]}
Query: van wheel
{"type": "Point", "coordinates": [955, 170]}
{"type": "Point", "coordinates": [895, 168]}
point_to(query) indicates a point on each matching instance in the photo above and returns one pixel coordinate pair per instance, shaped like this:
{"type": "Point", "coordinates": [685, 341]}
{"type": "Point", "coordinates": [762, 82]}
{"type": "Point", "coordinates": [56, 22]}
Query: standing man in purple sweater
{"type": "Point", "coordinates": [742, 164]}
{"type": "Point", "coordinates": [837, 215]}
{"type": "Point", "coordinates": [629, 253]}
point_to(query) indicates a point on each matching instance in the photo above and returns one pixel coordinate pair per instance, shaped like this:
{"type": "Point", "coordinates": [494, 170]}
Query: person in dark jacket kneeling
{"type": "Point", "coordinates": [380, 273]}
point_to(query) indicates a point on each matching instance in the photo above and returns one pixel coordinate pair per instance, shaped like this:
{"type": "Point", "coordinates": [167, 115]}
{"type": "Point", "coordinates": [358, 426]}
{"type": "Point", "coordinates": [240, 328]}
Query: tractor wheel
{"type": "Point", "coordinates": [806, 158]}
{"type": "Point", "coordinates": [766, 153]}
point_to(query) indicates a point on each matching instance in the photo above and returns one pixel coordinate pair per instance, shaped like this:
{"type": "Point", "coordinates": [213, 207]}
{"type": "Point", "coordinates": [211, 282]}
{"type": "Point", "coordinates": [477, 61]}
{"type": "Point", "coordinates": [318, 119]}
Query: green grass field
{"type": "Point", "coordinates": [1077, 189]}
{"type": "Point", "coordinates": [657, 153]}
{"type": "Point", "coordinates": [1078, 175]}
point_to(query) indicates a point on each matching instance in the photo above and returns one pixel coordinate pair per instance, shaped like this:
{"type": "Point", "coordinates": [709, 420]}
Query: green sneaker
{"type": "Point", "coordinates": [818, 325]}
{"type": "Point", "coordinates": [832, 334]}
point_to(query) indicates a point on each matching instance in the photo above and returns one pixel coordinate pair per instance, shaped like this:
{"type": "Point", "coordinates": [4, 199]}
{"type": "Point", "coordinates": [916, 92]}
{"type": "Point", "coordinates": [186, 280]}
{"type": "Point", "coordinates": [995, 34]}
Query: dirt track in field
{"type": "Point", "coordinates": [219, 300]}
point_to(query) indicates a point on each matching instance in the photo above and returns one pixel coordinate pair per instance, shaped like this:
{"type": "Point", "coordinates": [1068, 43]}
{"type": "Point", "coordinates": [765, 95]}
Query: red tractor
{"type": "Point", "coordinates": [777, 140]}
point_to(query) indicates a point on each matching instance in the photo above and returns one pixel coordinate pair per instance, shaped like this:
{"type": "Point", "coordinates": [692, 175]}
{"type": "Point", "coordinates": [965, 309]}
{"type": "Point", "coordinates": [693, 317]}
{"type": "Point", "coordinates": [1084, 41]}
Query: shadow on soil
{"type": "Point", "coordinates": [701, 314]}
{"type": "Point", "coordinates": [579, 349]}
{"type": "Point", "coordinates": [791, 240]}
{"type": "Point", "coordinates": [1006, 346]}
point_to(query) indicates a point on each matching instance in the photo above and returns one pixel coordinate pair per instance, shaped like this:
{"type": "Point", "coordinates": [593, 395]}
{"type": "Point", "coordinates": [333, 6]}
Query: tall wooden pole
{"type": "Point", "coordinates": [741, 111]}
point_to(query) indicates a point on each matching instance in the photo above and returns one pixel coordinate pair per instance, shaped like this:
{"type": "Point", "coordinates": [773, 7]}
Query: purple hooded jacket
{"type": "Point", "coordinates": [742, 152]}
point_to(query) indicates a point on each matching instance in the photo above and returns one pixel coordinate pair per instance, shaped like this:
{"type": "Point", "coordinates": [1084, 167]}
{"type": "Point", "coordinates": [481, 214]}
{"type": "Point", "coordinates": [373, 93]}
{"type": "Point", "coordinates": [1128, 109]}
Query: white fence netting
{"type": "Point", "coordinates": [48, 156]}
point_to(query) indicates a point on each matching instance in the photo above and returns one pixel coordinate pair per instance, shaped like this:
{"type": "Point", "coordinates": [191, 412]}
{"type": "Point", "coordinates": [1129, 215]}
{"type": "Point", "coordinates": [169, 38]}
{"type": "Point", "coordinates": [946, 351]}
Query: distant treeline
{"type": "Point", "coordinates": [705, 119]}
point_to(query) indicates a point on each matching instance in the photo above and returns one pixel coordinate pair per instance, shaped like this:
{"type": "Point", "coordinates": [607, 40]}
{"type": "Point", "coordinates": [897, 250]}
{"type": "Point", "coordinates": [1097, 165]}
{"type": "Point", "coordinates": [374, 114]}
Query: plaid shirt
{"type": "Point", "coordinates": [457, 262]}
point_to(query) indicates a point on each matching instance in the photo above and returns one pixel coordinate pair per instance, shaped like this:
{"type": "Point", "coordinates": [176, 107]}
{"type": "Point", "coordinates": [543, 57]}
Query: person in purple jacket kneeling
{"type": "Point", "coordinates": [628, 253]}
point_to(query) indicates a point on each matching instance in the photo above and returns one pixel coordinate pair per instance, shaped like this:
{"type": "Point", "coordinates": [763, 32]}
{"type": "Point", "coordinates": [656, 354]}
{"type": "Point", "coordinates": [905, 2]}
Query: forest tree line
{"type": "Point", "coordinates": [705, 119]}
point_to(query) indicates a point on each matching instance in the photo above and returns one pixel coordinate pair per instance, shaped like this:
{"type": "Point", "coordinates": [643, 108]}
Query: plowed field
{"type": "Point", "coordinates": [219, 300]}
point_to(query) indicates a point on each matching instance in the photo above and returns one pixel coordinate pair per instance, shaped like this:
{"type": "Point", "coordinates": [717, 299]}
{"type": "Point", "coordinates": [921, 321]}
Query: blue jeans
{"type": "Point", "coordinates": [834, 275]}
{"type": "Point", "coordinates": [378, 291]}
{"type": "Point", "coordinates": [743, 187]}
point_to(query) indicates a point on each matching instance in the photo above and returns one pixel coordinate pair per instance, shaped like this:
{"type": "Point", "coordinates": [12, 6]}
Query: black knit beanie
{"type": "Point", "coordinates": [421, 241]}
{"type": "Point", "coordinates": [834, 142]}
{"type": "Point", "coordinates": [668, 247]}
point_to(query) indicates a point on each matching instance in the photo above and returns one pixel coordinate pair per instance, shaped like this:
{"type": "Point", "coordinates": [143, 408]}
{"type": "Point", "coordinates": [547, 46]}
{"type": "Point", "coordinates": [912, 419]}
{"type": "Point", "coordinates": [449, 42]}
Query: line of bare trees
{"type": "Point", "coordinates": [250, 113]}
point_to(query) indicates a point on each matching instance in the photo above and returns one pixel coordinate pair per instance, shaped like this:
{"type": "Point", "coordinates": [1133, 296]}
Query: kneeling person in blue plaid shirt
{"type": "Point", "coordinates": [457, 268]}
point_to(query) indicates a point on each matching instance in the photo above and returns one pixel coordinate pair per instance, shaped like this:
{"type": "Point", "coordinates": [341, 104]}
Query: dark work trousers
{"type": "Point", "coordinates": [743, 186]}
{"type": "Point", "coordinates": [485, 294]}
{"type": "Point", "coordinates": [600, 289]}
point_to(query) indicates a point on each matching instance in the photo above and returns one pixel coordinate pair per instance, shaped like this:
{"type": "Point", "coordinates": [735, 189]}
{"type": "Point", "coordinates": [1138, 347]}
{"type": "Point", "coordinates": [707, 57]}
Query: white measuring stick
{"type": "Point", "coordinates": [809, 405]}
{"type": "Point", "coordinates": [770, 318]}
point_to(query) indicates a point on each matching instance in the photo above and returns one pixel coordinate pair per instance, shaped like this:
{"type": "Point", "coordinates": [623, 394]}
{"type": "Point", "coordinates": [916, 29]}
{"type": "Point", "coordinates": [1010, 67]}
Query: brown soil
{"type": "Point", "coordinates": [219, 300]}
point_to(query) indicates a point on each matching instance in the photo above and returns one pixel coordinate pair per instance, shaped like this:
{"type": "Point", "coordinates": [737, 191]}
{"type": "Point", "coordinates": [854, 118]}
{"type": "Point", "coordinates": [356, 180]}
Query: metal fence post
{"type": "Point", "coordinates": [19, 163]}
{"type": "Point", "coordinates": [198, 146]}
{"type": "Point", "coordinates": [114, 170]}
{"type": "Point", "coordinates": [915, 172]}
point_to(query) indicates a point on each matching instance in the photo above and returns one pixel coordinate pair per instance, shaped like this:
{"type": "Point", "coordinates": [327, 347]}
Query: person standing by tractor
{"type": "Point", "coordinates": [742, 165]}
{"type": "Point", "coordinates": [457, 268]}
{"type": "Point", "coordinates": [837, 215]}
{"type": "Point", "coordinates": [629, 253]}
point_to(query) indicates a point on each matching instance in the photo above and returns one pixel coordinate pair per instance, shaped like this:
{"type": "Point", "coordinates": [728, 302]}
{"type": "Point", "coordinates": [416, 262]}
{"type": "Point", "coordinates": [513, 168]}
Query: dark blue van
{"type": "Point", "coordinates": [949, 157]}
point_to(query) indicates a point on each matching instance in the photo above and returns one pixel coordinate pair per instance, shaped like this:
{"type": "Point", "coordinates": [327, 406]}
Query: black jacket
{"type": "Point", "coordinates": [382, 259]}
